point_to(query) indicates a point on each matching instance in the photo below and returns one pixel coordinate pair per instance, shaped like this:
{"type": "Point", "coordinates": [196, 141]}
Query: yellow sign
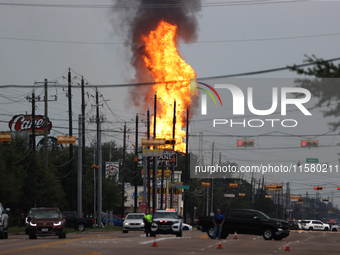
{"type": "Point", "coordinates": [167, 172]}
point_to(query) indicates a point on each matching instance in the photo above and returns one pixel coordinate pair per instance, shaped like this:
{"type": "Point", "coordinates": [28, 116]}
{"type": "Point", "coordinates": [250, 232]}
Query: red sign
{"type": "Point", "coordinates": [23, 123]}
{"type": "Point", "coordinates": [143, 207]}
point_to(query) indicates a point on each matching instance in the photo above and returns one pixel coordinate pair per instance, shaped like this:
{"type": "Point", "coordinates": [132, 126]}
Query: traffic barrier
{"type": "Point", "coordinates": [287, 247]}
{"type": "Point", "coordinates": [219, 244]}
{"type": "Point", "coordinates": [235, 235]}
{"type": "Point", "coordinates": [154, 243]}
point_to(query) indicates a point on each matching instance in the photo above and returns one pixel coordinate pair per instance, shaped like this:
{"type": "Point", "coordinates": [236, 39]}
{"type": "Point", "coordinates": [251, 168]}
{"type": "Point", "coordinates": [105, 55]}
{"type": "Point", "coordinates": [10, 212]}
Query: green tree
{"type": "Point", "coordinates": [321, 85]}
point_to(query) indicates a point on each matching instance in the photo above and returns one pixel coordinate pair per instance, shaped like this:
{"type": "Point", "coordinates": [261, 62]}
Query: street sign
{"type": "Point", "coordinates": [176, 185]}
{"type": "Point", "coordinates": [312, 160]}
{"type": "Point", "coordinates": [183, 187]}
{"type": "Point", "coordinates": [229, 195]}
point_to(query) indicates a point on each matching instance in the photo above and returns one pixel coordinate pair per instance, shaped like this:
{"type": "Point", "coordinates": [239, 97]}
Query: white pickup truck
{"type": "Point", "coordinates": [3, 222]}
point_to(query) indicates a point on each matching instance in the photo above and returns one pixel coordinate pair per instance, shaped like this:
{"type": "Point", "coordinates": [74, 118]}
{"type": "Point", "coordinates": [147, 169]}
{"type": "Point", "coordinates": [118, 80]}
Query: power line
{"type": "Point", "coordinates": [198, 79]}
{"type": "Point", "coordinates": [199, 42]}
{"type": "Point", "coordinates": [152, 6]}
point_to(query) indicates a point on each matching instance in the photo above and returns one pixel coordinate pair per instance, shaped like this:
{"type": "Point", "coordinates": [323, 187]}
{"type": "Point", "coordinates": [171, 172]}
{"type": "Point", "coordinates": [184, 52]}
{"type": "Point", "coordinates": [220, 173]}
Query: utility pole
{"type": "Point", "coordinates": [45, 127]}
{"type": "Point", "coordinates": [123, 179]}
{"type": "Point", "coordinates": [212, 181]}
{"type": "Point", "coordinates": [83, 131]}
{"type": "Point", "coordinates": [155, 161]}
{"type": "Point", "coordinates": [186, 178]}
{"type": "Point", "coordinates": [80, 175]}
{"type": "Point", "coordinates": [70, 134]}
{"type": "Point", "coordinates": [148, 160]}
{"type": "Point", "coordinates": [173, 168]}
{"type": "Point", "coordinates": [33, 122]}
{"type": "Point", "coordinates": [136, 166]}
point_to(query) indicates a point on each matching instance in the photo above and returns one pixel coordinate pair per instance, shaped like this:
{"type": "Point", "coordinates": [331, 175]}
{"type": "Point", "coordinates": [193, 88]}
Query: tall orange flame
{"type": "Point", "coordinates": [172, 75]}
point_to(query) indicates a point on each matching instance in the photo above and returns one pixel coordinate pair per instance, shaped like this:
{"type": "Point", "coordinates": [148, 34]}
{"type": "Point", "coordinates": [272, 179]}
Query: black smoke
{"type": "Point", "coordinates": [139, 17]}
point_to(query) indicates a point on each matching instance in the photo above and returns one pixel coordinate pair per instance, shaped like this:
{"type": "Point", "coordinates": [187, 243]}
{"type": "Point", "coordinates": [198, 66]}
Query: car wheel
{"type": "Point", "coordinates": [179, 234]}
{"type": "Point", "coordinates": [6, 235]}
{"type": "Point", "coordinates": [81, 227]}
{"type": "Point", "coordinates": [268, 234]}
{"type": "Point", "coordinates": [2, 235]}
{"type": "Point", "coordinates": [211, 231]}
{"type": "Point", "coordinates": [310, 228]}
{"type": "Point", "coordinates": [326, 229]}
{"type": "Point", "coordinates": [185, 228]}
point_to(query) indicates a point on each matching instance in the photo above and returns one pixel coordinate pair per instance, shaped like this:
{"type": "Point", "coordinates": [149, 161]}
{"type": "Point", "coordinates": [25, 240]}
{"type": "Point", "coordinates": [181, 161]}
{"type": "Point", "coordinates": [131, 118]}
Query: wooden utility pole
{"type": "Point", "coordinates": [136, 165]}
{"type": "Point", "coordinates": [70, 134]}
{"type": "Point", "coordinates": [123, 177]}
{"type": "Point", "coordinates": [45, 127]}
{"type": "Point", "coordinates": [148, 160]}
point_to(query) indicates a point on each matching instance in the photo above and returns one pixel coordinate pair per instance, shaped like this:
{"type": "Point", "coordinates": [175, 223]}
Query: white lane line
{"type": "Point", "coordinates": [162, 239]}
{"type": "Point", "coordinates": [297, 241]}
{"type": "Point", "coordinates": [324, 234]}
{"type": "Point", "coordinates": [209, 246]}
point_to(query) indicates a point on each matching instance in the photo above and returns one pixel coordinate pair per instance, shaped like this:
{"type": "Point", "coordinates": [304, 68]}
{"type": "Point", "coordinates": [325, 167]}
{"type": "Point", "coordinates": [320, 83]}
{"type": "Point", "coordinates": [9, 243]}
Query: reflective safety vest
{"type": "Point", "coordinates": [148, 218]}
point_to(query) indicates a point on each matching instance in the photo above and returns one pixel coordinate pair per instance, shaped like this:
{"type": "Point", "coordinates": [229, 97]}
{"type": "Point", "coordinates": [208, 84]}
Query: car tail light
{"type": "Point", "coordinates": [92, 221]}
{"type": "Point", "coordinates": [199, 219]}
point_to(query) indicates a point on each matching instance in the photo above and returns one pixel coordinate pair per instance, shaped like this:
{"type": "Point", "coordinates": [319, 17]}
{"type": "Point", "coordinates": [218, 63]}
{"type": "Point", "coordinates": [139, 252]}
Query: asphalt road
{"type": "Point", "coordinates": [192, 242]}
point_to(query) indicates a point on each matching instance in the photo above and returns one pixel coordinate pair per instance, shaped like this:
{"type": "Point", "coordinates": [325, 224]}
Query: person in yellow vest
{"type": "Point", "coordinates": [147, 222]}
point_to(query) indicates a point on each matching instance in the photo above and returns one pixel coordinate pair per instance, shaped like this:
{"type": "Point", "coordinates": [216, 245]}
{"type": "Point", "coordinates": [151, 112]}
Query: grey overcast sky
{"type": "Point", "coordinates": [39, 41]}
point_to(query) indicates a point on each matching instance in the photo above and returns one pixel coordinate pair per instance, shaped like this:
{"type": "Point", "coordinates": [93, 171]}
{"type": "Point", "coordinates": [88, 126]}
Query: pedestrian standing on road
{"type": "Point", "coordinates": [147, 221]}
{"type": "Point", "coordinates": [218, 221]}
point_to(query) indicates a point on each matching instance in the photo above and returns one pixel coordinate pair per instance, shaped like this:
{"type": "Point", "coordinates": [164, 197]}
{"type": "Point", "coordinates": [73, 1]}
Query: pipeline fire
{"type": "Point", "coordinates": [172, 75]}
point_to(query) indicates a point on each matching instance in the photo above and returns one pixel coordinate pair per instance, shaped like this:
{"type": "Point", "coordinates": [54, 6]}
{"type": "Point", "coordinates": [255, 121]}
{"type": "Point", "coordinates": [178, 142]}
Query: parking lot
{"type": "Point", "coordinates": [192, 242]}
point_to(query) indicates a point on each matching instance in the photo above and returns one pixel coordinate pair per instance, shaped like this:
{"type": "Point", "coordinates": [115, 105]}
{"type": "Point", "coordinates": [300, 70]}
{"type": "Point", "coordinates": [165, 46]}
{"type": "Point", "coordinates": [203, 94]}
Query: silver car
{"type": "Point", "coordinates": [133, 222]}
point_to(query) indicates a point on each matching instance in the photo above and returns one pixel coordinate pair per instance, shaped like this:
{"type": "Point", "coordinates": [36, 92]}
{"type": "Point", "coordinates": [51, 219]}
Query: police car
{"type": "Point", "coordinates": [166, 222]}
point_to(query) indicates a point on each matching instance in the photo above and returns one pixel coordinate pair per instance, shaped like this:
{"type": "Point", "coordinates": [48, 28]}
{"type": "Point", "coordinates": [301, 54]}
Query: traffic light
{"type": "Point", "coordinates": [5, 137]}
{"type": "Point", "coordinates": [233, 185]}
{"type": "Point", "coordinates": [171, 141]}
{"type": "Point", "coordinates": [205, 184]}
{"type": "Point", "coordinates": [95, 166]}
{"type": "Point", "coordinates": [310, 143]}
{"type": "Point", "coordinates": [273, 186]}
{"type": "Point", "coordinates": [318, 188]}
{"type": "Point", "coordinates": [66, 140]}
{"type": "Point", "coordinates": [325, 199]}
{"type": "Point", "coordinates": [245, 143]}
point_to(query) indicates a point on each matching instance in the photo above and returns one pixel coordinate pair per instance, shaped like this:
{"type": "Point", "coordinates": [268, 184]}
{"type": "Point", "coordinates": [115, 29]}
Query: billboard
{"type": "Point", "coordinates": [112, 170]}
{"type": "Point", "coordinates": [23, 123]}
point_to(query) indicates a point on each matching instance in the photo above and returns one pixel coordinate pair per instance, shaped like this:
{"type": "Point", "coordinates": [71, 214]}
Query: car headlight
{"type": "Point", "coordinates": [57, 224]}
{"type": "Point", "coordinates": [33, 224]}
{"type": "Point", "coordinates": [125, 224]}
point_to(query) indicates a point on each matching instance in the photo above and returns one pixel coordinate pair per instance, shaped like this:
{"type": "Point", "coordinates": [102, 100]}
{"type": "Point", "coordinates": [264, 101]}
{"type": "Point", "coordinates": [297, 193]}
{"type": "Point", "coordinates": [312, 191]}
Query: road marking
{"type": "Point", "coordinates": [52, 244]}
{"type": "Point", "coordinates": [163, 238]}
{"type": "Point", "coordinates": [209, 246]}
{"type": "Point", "coordinates": [204, 236]}
{"type": "Point", "coordinates": [324, 234]}
{"type": "Point", "coordinates": [308, 238]}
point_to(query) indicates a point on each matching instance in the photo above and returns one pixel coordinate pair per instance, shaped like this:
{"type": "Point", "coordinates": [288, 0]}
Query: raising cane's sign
{"type": "Point", "coordinates": [23, 123]}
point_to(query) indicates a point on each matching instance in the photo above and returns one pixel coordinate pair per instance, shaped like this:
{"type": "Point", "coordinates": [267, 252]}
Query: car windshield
{"type": "Point", "coordinates": [262, 215]}
{"type": "Point", "coordinates": [172, 215]}
{"type": "Point", "coordinates": [46, 214]}
{"type": "Point", "coordinates": [30, 212]}
{"type": "Point", "coordinates": [135, 216]}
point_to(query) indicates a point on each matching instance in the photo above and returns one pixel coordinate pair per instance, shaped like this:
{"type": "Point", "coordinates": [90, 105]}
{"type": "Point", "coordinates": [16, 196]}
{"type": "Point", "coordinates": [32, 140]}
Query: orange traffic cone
{"type": "Point", "coordinates": [235, 235]}
{"type": "Point", "coordinates": [219, 244]}
{"type": "Point", "coordinates": [154, 243]}
{"type": "Point", "coordinates": [287, 247]}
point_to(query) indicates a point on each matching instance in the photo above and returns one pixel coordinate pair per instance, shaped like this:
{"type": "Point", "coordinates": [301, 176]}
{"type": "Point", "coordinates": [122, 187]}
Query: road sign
{"type": "Point", "coordinates": [312, 160]}
{"type": "Point", "coordinates": [183, 187]}
{"type": "Point", "coordinates": [176, 185]}
{"type": "Point", "coordinates": [229, 195]}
